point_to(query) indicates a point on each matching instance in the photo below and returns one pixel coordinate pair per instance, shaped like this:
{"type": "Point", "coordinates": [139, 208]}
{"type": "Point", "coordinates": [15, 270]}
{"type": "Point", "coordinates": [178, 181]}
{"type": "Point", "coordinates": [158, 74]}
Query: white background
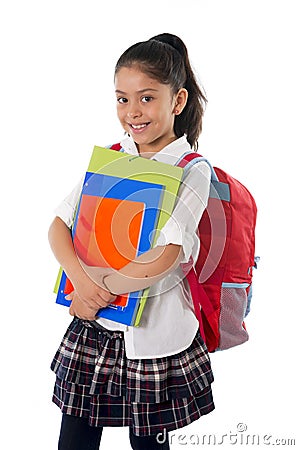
{"type": "Point", "coordinates": [57, 102]}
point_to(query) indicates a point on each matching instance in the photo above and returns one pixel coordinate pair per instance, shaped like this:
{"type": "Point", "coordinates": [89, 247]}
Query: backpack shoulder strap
{"type": "Point", "coordinates": [116, 147]}
{"type": "Point", "coordinates": [219, 190]}
{"type": "Point", "coordinates": [189, 159]}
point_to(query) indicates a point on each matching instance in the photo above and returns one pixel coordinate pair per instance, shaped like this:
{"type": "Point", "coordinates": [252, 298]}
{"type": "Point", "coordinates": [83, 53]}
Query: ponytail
{"type": "Point", "coordinates": [165, 58]}
{"type": "Point", "coordinates": [189, 122]}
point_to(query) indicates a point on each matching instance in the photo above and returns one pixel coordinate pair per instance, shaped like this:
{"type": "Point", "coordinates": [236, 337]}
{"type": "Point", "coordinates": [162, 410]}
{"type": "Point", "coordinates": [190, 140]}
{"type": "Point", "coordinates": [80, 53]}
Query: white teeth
{"type": "Point", "coordinates": [138, 127]}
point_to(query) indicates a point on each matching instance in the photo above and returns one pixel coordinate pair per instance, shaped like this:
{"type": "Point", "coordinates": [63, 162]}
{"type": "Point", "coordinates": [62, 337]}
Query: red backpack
{"type": "Point", "coordinates": [221, 279]}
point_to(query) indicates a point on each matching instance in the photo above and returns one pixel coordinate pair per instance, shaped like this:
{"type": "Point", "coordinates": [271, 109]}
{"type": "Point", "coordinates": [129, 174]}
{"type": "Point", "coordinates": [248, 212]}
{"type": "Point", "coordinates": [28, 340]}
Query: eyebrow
{"type": "Point", "coordinates": [139, 92]}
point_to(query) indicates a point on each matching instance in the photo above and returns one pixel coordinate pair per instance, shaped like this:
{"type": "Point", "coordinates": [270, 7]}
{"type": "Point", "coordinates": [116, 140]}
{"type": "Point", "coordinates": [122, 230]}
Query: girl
{"type": "Point", "coordinates": [157, 377]}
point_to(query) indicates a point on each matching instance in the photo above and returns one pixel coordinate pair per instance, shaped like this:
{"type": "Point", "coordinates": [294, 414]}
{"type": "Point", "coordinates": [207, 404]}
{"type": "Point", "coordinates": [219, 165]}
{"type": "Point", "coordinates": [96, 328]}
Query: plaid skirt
{"type": "Point", "coordinates": [95, 380]}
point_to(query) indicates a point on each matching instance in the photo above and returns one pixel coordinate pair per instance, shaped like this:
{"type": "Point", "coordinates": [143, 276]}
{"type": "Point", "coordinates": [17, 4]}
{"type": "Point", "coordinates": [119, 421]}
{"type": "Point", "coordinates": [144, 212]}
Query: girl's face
{"type": "Point", "coordinates": [146, 109]}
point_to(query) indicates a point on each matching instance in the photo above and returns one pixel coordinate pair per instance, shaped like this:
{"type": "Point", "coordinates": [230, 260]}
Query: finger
{"type": "Point", "coordinates": [86, 316]}
{"type": "Point", "coordinates": [91, 302]}
{"type": "Point", "coordinates": [103, 303]}
{"type": "Point", "coordinates": [106, 296]}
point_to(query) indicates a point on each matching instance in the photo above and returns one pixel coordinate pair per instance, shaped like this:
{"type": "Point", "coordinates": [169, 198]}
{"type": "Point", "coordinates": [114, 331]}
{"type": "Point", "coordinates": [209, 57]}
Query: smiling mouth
{"type": "Point", "coordinates": [139, 127]}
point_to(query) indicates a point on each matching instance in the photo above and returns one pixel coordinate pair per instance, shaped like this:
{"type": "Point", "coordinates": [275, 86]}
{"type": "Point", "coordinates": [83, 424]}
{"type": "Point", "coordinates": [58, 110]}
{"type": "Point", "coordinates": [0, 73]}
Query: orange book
{"type": "Point", "coordinates": [108, 232]}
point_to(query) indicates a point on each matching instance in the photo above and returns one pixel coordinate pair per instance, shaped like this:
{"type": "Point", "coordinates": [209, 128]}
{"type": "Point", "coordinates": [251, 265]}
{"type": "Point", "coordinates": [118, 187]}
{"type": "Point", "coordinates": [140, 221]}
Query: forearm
{"type": "Point", "coordinates": [61, 243]}
{"type": "Point", "coordinates": [145, 270]}
{"type": "Point", "coordinates": [88, 296]}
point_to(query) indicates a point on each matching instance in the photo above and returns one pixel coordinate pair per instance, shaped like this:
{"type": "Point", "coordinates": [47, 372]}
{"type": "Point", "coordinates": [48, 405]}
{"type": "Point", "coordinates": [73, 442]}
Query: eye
{"type": "Point", "coordinates": [122, 100]}
{"type": "Point", "coordinates": [146, 99]}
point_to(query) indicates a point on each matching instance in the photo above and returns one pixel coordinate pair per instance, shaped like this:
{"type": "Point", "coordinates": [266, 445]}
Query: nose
{"type": "Point", "coordinates": [134, 111]}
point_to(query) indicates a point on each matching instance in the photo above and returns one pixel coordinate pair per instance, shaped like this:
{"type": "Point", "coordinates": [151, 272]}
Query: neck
{"type": "Point", "coordinates": [146, 154]}
{"type": "Point", "coordinates": [149, 151]}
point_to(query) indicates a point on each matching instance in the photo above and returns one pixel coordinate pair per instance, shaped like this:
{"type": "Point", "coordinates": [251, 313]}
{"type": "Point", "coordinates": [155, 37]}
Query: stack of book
{"type": "Point", "coordinates": [125, 202]}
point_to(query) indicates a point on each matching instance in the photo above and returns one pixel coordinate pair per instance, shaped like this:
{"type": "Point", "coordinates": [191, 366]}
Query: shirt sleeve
{"type": "Point", "coordinates": [67, 208]}
{"type": "Point", "coordinates": [191, 202]}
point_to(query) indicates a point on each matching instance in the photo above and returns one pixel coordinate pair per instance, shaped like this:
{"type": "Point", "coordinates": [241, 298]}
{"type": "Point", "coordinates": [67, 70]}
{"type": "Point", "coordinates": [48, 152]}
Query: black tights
{"type": "Point", "coordinates": [76, 434]}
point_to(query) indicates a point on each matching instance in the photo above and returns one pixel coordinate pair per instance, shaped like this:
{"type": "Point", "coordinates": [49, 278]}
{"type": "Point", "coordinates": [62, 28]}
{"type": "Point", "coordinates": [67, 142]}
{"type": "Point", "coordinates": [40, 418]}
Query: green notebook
{"type": "Point", "coordinates": [137, 168]}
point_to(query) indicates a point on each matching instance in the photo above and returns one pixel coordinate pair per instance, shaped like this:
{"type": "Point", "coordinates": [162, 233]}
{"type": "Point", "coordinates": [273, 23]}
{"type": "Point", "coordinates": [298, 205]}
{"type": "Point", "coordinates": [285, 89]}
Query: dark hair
{"type": "Point", "coordinates": [165, 58]}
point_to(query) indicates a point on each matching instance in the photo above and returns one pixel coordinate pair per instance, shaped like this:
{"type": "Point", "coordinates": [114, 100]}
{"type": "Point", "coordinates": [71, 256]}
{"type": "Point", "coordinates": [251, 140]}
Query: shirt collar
{"type": "Point", "coordinates": [169, 154]}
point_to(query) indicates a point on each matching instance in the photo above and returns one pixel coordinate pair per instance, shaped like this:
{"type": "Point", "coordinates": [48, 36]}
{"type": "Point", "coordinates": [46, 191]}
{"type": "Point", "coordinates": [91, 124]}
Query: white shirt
{"type": "Point", "coordinates": [168, 324]}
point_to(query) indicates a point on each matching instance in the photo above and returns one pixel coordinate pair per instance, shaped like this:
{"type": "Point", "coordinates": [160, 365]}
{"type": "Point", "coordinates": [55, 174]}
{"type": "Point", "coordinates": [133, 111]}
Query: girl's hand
{"type": "Point", "coordinates": [80, 309]}
{"type": "Point", "coordinates": [91, 293]}
{"type": "Point", "coordinates": [86, 291]}
{"type": "Point", "coordinates": [87, 298]}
